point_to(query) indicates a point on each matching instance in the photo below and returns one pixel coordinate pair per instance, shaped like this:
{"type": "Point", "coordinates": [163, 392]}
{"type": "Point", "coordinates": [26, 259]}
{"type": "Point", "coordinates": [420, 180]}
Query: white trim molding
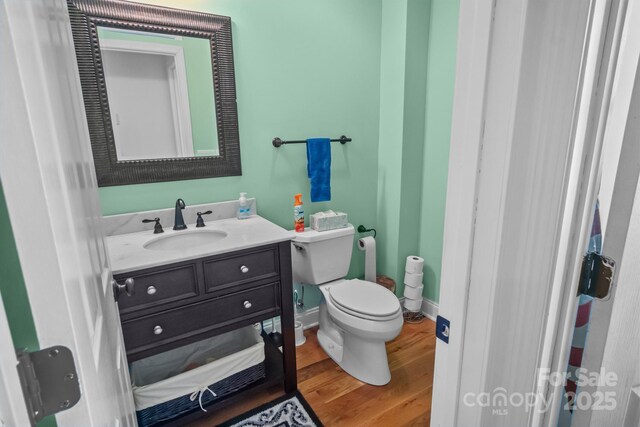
{"type": "Point", "coordinates": [467, 128]}
{"type": "Point", "coordinates": [429, 309]}
{"type": "Point", "coordinates": [309, 318]}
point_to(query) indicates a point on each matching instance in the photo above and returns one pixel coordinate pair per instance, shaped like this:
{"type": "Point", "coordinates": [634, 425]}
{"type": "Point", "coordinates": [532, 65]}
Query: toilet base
{"type": "Point", "coordinates": [366, 360]}
{"type": "Point", "coordinates": [362, 358]}
{"type": "Point", "coordinates": [331, 347]}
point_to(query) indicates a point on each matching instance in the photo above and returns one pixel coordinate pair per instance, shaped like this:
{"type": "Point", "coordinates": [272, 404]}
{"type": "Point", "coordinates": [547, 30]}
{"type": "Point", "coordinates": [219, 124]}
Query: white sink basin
{"type": "Point", "coordinates": [143, 249]}
{"type": "Point", "coordinates": [183, 240]}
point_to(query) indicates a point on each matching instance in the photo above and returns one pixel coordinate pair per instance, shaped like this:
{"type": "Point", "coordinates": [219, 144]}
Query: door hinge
{"type": "Point", "coordinates": [442, 329]}
{"type": "Point", "coordinates": [596, 278]}
{"type": "Point", "coordinates": [49, 381]}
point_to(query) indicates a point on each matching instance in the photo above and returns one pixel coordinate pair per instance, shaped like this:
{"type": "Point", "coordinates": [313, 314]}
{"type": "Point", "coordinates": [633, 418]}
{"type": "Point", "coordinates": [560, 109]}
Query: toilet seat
{"type": "Point", "coordinates": [363, 299]}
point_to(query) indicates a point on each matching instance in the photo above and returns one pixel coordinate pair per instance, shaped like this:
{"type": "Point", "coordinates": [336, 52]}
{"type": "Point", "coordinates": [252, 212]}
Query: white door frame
{"type": "Point", "coordinates": [178, 84]}
{"type": "Point", "coordinates": [503, 98]}
{"type": "Point", "coordinates": [474, 39]}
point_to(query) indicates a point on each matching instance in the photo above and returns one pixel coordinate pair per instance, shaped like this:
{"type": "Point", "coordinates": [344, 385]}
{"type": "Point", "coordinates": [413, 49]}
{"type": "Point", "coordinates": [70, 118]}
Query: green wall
{"type": "Point", "coordinates": [12, 288]}
{"type": "Point", "coordinates": [441, 67]}
{"type": "Point", "coordinates": [14, 293]}
{"type": "Point", "coordinates": [379, 71]}
{"type": "Point", "coordinates": [303, 69]}
{"type": "Point", "coordinates": [297, 77]}
{"type": "Point", "coordinates": [392, 78]}
{"type": "Point", "coordinates": [405, 36]}
{"type": "Point", "coordinates": [418, 52]}
{"type": "Point", "coordinates": [385, 79]}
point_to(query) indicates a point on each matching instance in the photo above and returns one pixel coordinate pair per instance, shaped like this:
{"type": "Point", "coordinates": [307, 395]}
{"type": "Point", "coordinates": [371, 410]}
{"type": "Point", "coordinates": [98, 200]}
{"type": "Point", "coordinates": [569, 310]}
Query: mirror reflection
{"type": "Point", "coordinates": [161, 96]}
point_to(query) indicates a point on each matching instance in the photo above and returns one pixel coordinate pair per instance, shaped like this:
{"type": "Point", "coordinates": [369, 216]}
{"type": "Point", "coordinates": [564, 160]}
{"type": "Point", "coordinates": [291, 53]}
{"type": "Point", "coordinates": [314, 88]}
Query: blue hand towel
{"type": "Point", "coordinates": [319, 168]}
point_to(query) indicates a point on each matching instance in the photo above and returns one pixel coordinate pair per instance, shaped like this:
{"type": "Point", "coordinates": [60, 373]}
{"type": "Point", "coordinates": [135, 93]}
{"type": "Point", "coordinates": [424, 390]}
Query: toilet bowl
{"type": "Point", "coordinates": [357, 317]}
{"type": "Point", "coordinates": [353, 333]}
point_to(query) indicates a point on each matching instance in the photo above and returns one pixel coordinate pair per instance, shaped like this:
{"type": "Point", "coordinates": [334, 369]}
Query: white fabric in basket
{"type": "Point", "coordinates": [162, 377]}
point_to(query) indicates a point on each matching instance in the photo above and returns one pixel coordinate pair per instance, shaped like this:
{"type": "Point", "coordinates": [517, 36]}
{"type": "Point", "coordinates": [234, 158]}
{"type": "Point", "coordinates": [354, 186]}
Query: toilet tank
{"type": "Point", "coordinates": [321, 256]}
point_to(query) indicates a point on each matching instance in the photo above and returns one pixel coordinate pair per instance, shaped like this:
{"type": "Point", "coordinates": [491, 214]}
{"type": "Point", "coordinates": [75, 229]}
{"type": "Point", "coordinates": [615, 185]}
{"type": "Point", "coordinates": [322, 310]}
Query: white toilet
{"type": "Point", "coordinates": [356, 317]}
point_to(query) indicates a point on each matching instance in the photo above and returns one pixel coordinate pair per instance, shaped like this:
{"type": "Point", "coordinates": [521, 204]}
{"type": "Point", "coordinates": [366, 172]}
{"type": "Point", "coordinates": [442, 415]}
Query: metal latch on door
{"type": "Point", "coordinates": [442, 329]}
{"type": "Point", "coordinates": [49, 381]}
{"type": "Point", "coordinates": [596, 278]}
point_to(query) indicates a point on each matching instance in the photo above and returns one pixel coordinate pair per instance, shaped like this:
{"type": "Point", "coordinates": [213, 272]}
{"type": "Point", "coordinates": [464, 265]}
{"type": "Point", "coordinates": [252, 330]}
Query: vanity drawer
{"type": "Point", "coordinates": [159, 287]}
{"type": "Point", "coordinates": [190, 320]}
{"type": "Point", "coordinates": [223, 273]}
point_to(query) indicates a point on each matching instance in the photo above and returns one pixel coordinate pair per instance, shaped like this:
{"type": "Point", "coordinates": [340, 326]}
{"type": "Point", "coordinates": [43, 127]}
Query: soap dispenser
{"type": "Point", "coordinates": [243, 207]}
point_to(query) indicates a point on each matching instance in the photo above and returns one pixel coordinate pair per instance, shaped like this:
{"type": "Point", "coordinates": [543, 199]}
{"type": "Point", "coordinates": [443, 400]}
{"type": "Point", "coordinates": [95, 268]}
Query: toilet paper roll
{"type": "Point", "coordinates": [413, 293]}
{"type": "Point", "coordinates": [368, 246]}
{"type": "Point", "coordinates": [413, 279]}
{"type": "Point", "coordinates": [414, 264]}
{"type": "Point", "coordinates": [412, 304]}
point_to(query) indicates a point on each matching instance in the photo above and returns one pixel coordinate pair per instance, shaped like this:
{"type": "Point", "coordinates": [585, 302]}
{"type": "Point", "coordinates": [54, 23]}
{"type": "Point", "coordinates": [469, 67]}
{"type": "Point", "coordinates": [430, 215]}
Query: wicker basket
{"type": "Point", "coordinates": [180, 406]}
{"type": "Point", "coordinates": [171, 384]}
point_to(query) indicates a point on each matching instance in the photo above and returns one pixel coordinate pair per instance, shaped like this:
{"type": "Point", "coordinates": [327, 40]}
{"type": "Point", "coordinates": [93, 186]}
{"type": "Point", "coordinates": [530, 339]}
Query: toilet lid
{"type": "Point", "coordinates": [365, 297]}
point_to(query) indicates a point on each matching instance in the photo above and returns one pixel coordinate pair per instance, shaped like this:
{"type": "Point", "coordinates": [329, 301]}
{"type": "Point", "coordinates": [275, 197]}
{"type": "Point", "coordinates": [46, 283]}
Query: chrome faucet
{"type": "Point", "coordinates": [178, 223]}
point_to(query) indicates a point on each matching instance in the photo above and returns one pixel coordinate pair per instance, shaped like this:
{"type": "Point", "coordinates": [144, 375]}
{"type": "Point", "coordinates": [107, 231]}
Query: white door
{"type": "Point", "coordinates": [49, 181]}
{"type": "Point", "coordinates": [523, 69]}
{"type": "Point", "coordinates": [612, 341]}
{"type": "Point", "coordinates": [618, 346]}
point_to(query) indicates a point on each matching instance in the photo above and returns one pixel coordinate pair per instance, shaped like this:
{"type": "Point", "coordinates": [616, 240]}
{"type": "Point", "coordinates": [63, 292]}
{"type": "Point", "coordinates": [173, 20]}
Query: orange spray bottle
{"type": "Point", "coordinates": [298, 213]}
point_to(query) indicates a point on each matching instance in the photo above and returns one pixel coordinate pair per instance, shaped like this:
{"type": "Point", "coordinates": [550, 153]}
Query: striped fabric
{"type": "Point", "coordinates": [580, 332]}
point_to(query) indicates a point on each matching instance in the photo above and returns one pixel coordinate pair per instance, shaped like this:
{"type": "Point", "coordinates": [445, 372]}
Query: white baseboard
{"type": "Point", "coordinates": [271, 325]}
{"type": "Point", "coordinates": [310, 317]}
{"type": "Point", "coordinates": [429, 309]}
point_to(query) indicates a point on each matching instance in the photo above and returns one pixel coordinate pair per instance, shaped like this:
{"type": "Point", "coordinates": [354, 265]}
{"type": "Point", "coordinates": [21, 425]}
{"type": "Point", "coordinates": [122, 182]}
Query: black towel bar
{"type": "Point", "coordinates": [277, 142]}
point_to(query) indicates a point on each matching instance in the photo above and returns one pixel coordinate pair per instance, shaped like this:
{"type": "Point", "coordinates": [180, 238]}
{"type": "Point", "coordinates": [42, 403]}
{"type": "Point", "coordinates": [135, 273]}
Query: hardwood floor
{"type": "Point", "coordinates": [341, 400]}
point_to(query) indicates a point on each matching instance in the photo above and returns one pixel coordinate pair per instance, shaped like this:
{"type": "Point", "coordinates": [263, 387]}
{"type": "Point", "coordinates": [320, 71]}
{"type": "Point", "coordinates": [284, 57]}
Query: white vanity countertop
{"type": "Point", "coordinates": [127, 251]}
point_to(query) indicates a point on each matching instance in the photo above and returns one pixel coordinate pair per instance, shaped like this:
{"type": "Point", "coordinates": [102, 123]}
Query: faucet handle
{"type": "Point", "coordinates": [157, 229]}
{"type": "Point", "coordinates": [200, 221]}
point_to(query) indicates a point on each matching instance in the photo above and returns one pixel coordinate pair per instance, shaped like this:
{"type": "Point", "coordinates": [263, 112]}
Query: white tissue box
{"type": "Point", "coordinates": [329, 220]}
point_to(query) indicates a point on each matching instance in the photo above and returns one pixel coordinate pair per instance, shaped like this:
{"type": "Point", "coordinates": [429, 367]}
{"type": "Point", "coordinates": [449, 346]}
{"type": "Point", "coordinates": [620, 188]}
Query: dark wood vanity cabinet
{"type": "Point", "coordinates": [177, 304]}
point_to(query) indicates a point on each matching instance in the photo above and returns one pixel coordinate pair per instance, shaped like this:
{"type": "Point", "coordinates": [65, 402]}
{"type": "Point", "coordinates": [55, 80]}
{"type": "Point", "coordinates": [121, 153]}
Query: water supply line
{"type": "Point", "coordinates": [299, 302]}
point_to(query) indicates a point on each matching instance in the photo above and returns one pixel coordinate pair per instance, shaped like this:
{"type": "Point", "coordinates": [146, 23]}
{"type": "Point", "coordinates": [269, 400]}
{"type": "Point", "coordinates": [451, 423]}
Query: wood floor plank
{"type": "Point", "coordinates": [310, 352]}
{"type": "Point", "coordinates": [408, 412]}
{"type": "Point", "coordinates": [367, 401]}
{"type": "Point", "coordinates": [341, 400]}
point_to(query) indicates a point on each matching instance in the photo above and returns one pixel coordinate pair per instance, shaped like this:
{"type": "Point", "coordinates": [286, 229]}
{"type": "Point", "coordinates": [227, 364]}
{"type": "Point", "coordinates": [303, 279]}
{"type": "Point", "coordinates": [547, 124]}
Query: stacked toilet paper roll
{"type": "Point", "coordinates": [413, 283]}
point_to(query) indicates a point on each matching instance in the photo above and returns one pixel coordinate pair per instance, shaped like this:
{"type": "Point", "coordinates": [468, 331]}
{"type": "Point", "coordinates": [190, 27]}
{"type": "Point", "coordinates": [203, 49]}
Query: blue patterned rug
{"type": "Point", "coordinates": [287, 411]}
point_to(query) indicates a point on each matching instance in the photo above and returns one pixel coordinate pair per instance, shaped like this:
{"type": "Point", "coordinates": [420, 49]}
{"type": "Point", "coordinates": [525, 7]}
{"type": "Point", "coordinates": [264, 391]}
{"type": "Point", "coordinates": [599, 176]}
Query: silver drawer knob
{"type": "Point", "coordinates": [244, 269]}
{"type": "Point", "coordinates": [247, 305]}
{"type": "Point", "coordinates": [151, 290]}
{"type": "Point", "coordinates": [157, 330]}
